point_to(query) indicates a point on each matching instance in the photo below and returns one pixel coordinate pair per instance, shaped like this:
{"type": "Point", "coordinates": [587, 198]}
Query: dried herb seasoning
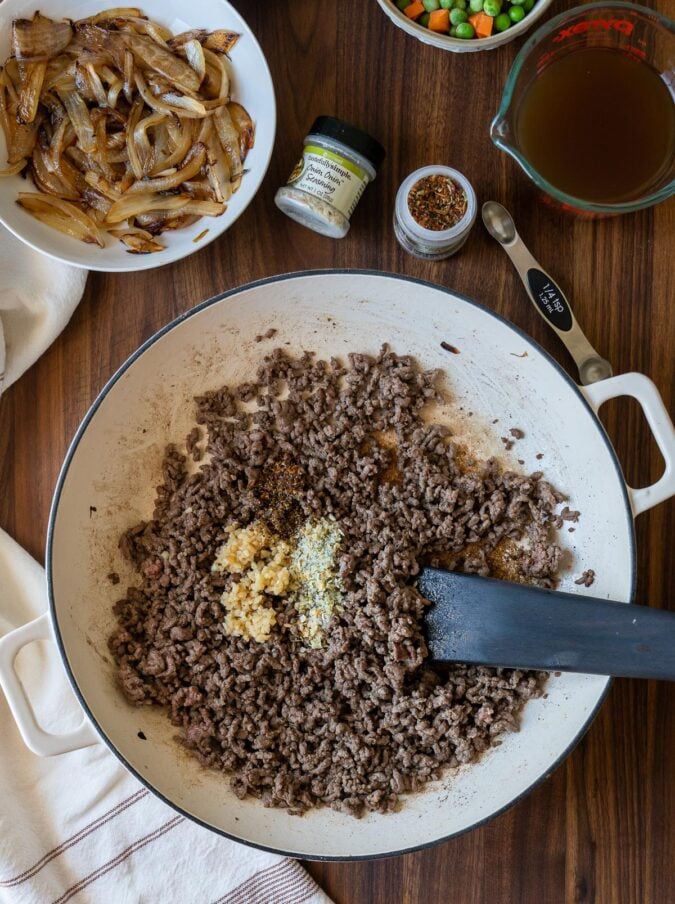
{"type": "Point", "coordinates": [437, 202]}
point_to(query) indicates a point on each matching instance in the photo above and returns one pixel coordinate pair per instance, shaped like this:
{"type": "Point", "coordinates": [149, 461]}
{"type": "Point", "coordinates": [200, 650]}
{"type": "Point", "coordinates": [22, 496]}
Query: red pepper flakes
{"type": "Point", "coordinates": [437, 202]}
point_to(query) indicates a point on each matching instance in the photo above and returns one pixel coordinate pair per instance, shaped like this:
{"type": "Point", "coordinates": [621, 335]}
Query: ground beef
{"type": "Point", "coordinates": [587, 578]}
{"type": "Point", "coordinates": [367, 718]}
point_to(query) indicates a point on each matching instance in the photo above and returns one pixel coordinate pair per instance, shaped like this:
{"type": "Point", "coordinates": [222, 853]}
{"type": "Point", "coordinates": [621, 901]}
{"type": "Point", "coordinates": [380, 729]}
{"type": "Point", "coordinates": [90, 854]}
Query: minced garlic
{"type": "Point", "coordinates": [263, 561]}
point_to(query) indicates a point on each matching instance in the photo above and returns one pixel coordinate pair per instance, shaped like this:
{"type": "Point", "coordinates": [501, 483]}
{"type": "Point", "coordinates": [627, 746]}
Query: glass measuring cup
{"type": "Point", "coordinates": [642, 33]}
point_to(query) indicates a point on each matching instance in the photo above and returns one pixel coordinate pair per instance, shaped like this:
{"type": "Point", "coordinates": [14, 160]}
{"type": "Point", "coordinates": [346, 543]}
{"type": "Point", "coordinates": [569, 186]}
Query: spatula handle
{"type": "Point", "coordinates": [523, 627]}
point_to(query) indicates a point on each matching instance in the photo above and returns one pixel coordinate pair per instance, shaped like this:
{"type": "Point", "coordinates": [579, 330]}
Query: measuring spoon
{"type": "Point", "coordinates": [546, 296]}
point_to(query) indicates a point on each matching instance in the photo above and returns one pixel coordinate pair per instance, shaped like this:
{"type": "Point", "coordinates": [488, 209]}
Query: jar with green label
{"type": "Point", "coordinates": [337, 164]}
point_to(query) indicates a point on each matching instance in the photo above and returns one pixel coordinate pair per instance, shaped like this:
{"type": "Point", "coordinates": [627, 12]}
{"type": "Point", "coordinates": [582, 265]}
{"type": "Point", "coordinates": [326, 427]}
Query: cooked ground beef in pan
{"type": "Point", "coordinates": [365, 717]}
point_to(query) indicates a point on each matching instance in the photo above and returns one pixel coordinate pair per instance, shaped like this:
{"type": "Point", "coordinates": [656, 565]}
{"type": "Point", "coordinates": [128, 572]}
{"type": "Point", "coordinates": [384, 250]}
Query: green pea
{"type": "Point", "coordinates": [446, 4]}
{"type": "Point", "coordinates": [476, 6]}
{"type": "Point", "coordinates": [403, 3]}
{"type": "Point", "coordinates": [431, 5]}
{"type": "Point", "coordinates": [424, 20]}
{"type": "Point", "coordinates": [517, 2]}
{"type": "Point", "coordinates": [492, 7]}
{"type": "Point", "coordinates": [457, 16]}
{"type": "Point", "coordinates": [528, 4]}
{"type": "Point", "coordinates": [465, 31]}
{"type": "Point", "coordinates": [502, 22]}
{"type": "Point", "coordinates": [460, 4]}
{"type": "Point", "coordinates": [516, 14]}
{"type": "Point", "coordinates": [453, 31]}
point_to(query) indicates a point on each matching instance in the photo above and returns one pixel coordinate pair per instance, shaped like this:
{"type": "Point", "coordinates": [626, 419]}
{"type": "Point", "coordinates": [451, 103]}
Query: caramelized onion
{"type": "Point", "coordinates": [62, 215]}
{"type": "Point", "coordinates": [122, 126]}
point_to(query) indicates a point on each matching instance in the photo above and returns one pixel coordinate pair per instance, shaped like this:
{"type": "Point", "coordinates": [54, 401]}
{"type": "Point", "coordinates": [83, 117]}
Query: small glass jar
{"type": "Point", "coordinates": [433, 244]}
{"type": "Point", "coordinates": [337, 163]}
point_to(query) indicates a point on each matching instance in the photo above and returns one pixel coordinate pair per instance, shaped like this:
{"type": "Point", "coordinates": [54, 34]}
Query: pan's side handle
{"type": "Point", "coordinates": [35, 738]}
{"type": "Point", "coordinates": [641, 388]}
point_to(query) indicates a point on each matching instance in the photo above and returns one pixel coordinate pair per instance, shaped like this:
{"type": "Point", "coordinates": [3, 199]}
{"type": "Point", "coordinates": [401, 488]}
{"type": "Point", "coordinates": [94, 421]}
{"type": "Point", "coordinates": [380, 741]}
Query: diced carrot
{"type": "Point", "coordinates": [415, 10]}
{"type": "Point", "coordinates": [482, 24]}
{"type": "Point", "coordinates": [439, 20]}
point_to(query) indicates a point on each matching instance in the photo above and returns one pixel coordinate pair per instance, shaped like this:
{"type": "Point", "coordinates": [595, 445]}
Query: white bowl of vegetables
{"type": "Point", "coordinates": [464, 25]}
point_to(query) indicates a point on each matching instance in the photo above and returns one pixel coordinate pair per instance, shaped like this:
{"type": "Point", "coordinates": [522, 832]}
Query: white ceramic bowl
{"type": "Point", "coordinates": [456, 45]}
{"type": "Point", "coordinates": [251, 86]}
{"type": "Point", "coordinates": [108, 483]}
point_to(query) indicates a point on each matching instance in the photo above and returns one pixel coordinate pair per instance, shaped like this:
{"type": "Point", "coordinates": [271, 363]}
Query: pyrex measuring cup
{"type": "Point", "coordinates": [642, 33]}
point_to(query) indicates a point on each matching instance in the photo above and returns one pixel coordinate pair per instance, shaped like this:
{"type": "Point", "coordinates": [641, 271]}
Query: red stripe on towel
{"type": "Point", "coordinates": [74, 839]}
{"type": "Point", "coordinates": [121, 857]}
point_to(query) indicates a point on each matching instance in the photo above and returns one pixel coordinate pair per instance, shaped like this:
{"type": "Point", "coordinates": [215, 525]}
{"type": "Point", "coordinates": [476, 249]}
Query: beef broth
{"type": "Point", "coordinates": [599, 125]}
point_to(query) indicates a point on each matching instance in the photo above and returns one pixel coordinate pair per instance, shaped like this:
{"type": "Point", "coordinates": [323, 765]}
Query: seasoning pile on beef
{"type": "Point", "coordinates": [355, 715]}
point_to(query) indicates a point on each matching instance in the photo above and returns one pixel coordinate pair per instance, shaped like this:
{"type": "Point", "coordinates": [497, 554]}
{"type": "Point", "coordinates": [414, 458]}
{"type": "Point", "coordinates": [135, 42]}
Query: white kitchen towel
{"type": "Point", "coordinates": [37, 297]}
{"type": "Point", "coordinates": [77, 827]}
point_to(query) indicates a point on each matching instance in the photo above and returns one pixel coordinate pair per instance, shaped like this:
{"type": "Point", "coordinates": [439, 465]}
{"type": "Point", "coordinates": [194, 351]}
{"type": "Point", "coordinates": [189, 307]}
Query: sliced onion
{"type": "Point", "coordinates": [62, 215]}
{"type": "Point", "coordinates": [135, 159]}
{"type": "Point", "coordinates": [78, 113]}
{"type": "Point", "coordinates": [138, 25]}
{"type": "Point", "coordinates": [62, 137]}
{"type": "Point", "coordinates": [128, 75]}
{"type": "Point", "coordinates": [109, 14]}
{"type": "Point", "coordinates": [97, 88]}
{"type": "Point", "coordinates": [39, 38]}
{"type": "Point", "coordinates": [218, 170]}
{"type": "Point", "coordinates": [103, 186]}
{"type": "Point", "coordinates": [187, 106]}
{"type": "Point", "coordinates": [6, 120]}
{"type": "Point", "coordinates": [203, 208]}
{"type": "Point", "coordinates": [142, 144]}
{"type": "Point", "coordinates": [217, 65]}
{"type": "Point", "coordinates": [102, 41]}
{"type": "Point", "coordinates": [244, 125]}
{"type": "Point", "coordinates": [191, 166]}
{"type": "Point", "coordinates": [24, 139]}
{"type": "Point", "coordinates": [194, 54]}
{"type": "Point", "coordinates": [130, 206]}
{"type": "Point", "coordinates": [229, 140]}
{"type": "Point", "coordinates": [98, 204]}
{"type": "Point", "coordinates": [49, 181]}
{"type": "Point", "coordinates": [221, 41]}
{"type": "Point", "coordinates": [154, 102]}
{"type": "Point", "coordinates": [181, 136]}
{"type": "Point", "coordinates": [33, 76]}
{"type": "Point", "coordinates": [199, 190]}
{"type": "Point", "coordinates": [153, 56]}
{"type": "Point", "coordinates": [114, 92]}
{"type": "Point", "coordinates": [14, 168]}
{"type": "Point", "coordinates": [138, 241]}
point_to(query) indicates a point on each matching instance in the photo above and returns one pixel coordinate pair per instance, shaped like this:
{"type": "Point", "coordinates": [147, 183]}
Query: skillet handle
{"type": "Point", "coordinates": [41, 742]}
{"type": "Point", "coordinates": [641, 388]}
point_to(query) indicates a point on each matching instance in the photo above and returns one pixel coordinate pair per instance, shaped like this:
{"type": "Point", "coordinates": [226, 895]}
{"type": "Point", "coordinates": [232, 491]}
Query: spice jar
{"type": "Point", "coordinates": [337, 164]}
{"type": "Point", "coordinates": [435, 210]}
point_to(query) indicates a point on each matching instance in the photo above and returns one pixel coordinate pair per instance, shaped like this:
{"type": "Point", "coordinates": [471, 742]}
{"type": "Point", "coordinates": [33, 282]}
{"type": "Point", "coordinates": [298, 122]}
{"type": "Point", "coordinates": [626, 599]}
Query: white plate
{"type": "Point", "coordinates": [251, 86]}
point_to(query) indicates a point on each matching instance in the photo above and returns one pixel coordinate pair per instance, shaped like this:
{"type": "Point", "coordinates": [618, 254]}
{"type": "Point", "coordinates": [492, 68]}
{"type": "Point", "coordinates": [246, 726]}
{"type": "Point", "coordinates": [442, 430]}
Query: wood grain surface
{"type": "Point", "coordinates": [602, 828]}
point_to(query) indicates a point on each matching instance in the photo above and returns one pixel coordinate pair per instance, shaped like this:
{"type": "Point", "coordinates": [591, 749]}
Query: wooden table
{"type": "Point", "coordinates": [602, 828]}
